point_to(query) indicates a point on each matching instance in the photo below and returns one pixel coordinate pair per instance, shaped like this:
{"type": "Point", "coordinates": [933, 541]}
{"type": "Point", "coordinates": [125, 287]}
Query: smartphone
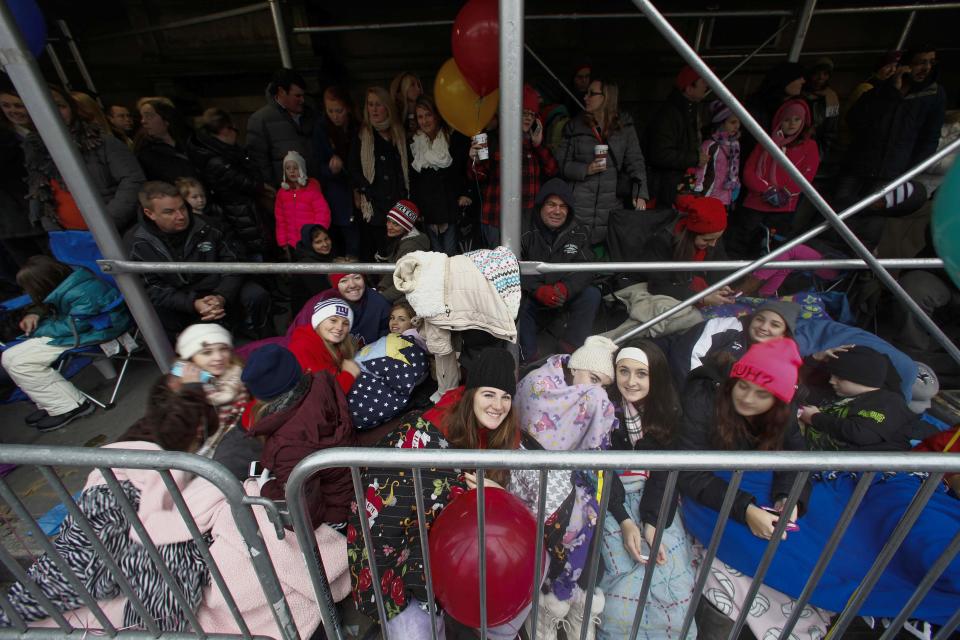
{"type": "Point", "coordinates": [177, 370]}
{"type": "Point", "coordinates": [791, 526]}
{"type": "Point", "coordinates": [738, 294]}
{"type": "Point", "coordinates": [536, 126]}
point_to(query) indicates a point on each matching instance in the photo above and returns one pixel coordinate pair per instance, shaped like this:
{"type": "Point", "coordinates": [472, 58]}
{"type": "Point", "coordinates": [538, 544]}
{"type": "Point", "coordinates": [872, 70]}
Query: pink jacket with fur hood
{"type": "Point", "coordinates": [295, 207]}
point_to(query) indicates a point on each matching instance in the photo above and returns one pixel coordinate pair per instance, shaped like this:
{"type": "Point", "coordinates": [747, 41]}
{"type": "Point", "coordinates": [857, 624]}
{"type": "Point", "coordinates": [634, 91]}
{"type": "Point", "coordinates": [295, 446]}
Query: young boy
{"type": "Point", "coordinates": [866, 416]}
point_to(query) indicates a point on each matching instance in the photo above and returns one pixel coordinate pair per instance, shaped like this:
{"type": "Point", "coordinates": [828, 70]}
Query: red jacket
{"type": "Point", "coordinates": [294, 208]}
{"type": "Point", "coordinates": [758, 176]}
{"type": "Point", "coordinates": [312, 354]}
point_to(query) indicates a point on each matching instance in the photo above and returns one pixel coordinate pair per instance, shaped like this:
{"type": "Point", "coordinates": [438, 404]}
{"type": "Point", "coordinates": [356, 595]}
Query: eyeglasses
{"type": "Point", "coordinates": [594, 93]}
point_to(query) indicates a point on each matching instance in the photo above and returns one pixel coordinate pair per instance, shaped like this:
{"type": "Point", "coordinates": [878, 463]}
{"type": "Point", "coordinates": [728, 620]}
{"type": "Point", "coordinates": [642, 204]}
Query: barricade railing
{"type": "Point", "coordinates": [804, 463]}
{"type": "Point", "coordinates": [20, 524]}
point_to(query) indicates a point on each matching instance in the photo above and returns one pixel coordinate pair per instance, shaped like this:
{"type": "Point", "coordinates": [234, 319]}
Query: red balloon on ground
{"type": "Point", "coordinates": [510, 536]}
{"type": "Point", "coordinates": [476, 45]}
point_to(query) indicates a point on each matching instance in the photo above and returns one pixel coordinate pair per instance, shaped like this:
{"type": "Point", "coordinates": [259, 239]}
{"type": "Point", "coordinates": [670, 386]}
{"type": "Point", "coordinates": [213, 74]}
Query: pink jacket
{"type": "Point", "coordinates": [805, 156]}
{"type": "Point", "coordinates": [294, 208]}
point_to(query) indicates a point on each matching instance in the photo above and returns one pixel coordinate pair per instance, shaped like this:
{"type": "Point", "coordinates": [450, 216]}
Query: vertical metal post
{"type": "Point", "coordinates": [22, 68]}
{"type": "Point", "coordinates": [907, 26]}
{"type": "Point", "coordinates": [81, 65]}
{"type": "Point", "coordinates": [55, 61]}
{"type": "Point", "coordinates": [803, 23]}
{"type": "Point", "coordinates": [283, 43]}
{"type": "Point", "coordinates": [511, 116]}
{"type": "Point", "coordinates": [698, 37]}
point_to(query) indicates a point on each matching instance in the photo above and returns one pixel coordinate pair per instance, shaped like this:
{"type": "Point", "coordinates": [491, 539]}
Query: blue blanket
{"type": "Point", "coordinates": [390, 368]}
{"type": "Point", "coordinates": [884, 504]}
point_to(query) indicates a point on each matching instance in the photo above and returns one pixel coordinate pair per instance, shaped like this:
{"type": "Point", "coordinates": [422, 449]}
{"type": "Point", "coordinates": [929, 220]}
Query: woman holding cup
{"type": "Point", "coordinates": [600, 151]}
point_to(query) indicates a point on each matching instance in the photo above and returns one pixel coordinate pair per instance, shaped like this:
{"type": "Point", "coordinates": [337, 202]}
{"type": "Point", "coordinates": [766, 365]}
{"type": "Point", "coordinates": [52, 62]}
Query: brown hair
{"type": "Point", "coordinates": [661, 407]}
{"type": "Point", "coordinates": [683, 247]}
{"type": "Point", "coordinates": [90, 111]}
{"type": "Point", "coordinates": [214, 120]}
{"type": "Point", "coordinates": [154, 189]}
{"type": "Point", "coordinates": [40, 275]}
{"type": "Point", "coordinates": [611, 107]}
{"type": "Point", "coordinates": [764, 432]}
{"type": "Point", "coordinates": [176, 419]}
{"type": "Point", "coordinates": [463, 431]}
{"type": "Point", "coordinates": [426, 102]}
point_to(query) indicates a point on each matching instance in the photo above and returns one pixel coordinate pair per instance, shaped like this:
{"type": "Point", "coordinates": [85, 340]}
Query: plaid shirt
{"type": "Point", "coordinates": [538, 165]}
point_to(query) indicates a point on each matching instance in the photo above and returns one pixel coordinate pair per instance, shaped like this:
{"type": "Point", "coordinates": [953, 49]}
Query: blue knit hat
{"type": "Point", "coordinates": [271, 371]}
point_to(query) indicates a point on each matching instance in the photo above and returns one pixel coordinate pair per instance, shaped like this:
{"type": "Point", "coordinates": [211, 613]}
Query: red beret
{"type": "Point", "coordinates": [701, 215]}
{"type": "Point", "coordinates": [685, 78]}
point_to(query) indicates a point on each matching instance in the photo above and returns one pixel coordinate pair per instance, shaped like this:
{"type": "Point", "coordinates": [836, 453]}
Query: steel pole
{"type": "Point", "coordinates": [576, 100]}
{"type": "Point", "coordinates": [803, 23]}
{"type": "Point", "coordinates": [81, 65]}
{"type": "Point", "coordinates": [22, 68]}
{"type": "Point", "coordinates": [283, 43]}
{"type": "Point", "coordinates": [907, 26]}
{"type": "Point", "coordinates": [511, 125]}
{"type": "Point", "coordinates": [698, 36]}
{"type": "Point", "coordinates": [764, 139]}
{"type": "Point", "coordinates": [755, 52]}
{"type": "Point", "coordinates": [55, 61]}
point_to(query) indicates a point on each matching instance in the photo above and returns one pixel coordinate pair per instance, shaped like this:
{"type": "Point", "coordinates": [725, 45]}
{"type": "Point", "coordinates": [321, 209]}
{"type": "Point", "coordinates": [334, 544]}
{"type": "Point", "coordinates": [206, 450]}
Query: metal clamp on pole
{"type": "Point", "coordinates": [26, 77]}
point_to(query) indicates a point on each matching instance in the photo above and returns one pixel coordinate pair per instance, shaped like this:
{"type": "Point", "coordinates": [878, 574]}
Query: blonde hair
{"type": "Point", "coordinates": [161, 99]}
{"type": "Point", "coordinates": [398, 91]}
{"type": "Point", "coordinates": [184, 185]}
{"type": "Point", "coordinates": [89, 111]}
{"type": "Point", "coordinates": [396, 127]}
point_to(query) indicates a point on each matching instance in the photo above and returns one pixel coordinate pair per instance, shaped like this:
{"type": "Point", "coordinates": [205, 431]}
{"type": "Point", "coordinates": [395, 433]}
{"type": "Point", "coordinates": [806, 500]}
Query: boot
{"type": "Point", "coordinates": [550, 614]}
{"type": "Point", "coordinates": [575, 617]}
{"type": "Point", "coordinates": [750, 286]}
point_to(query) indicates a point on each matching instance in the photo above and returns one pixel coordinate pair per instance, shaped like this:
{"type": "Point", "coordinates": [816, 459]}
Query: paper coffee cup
{"type": "Point", "coordinates": [600, 154]}
{"type": "Point", "coordinates": [483, 153]}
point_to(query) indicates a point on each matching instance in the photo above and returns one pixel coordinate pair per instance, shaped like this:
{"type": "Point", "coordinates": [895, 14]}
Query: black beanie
{"type": "Point", "coordinates": [861, 365]}
{"type": "Point", "coordinates": [789, 311]}
{"type": "Point", "coordinates": [271, 371]}
{"type": "Point", "coordinates": [494, 367]}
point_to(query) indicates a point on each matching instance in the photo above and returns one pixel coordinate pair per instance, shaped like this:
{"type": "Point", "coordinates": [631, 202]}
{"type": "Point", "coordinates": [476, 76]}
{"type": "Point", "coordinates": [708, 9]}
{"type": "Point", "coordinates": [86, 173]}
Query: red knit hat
{"type": "Point", "coordinates": [701, 215]}
{"type": "Point", "coordinates": [404, 214]}
{"type": "Point", "coordinates": [335, 279]}
{"type": "Point", "coordinates": [773, 365]}
{"type": "Point", "coordinates": [685, 78]}
{"type": "Point", "coordinates": [531, 99]}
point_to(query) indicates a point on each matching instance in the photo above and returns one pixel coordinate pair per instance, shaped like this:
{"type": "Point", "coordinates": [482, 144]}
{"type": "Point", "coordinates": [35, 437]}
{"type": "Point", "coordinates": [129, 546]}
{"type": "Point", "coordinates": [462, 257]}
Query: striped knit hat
{"type": "Point", "coordinates": [404, 214]}
{"type": "Point", "coordinates": [331, 307]}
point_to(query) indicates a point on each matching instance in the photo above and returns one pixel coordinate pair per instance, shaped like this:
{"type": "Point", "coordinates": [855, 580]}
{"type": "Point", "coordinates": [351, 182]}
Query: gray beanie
{"type": "Point", "coordinates": [789, 311]}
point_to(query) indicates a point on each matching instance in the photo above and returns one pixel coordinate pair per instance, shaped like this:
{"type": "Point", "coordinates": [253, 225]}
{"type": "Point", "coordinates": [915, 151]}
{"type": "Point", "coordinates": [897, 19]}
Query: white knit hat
{"type": "Point", "coordinates": [294, 157]}
{"type": "Point", "coordinates": [194, 338]}
{"type": "Point", "coordinates": [595, 355]}
{"type": "Point", "coordinates": [331, 307]}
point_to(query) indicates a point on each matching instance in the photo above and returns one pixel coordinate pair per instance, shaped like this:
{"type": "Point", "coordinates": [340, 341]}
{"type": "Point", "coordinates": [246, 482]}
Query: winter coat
{"type": "Point", "coordinates": [306, 285]}
{"type": "Point", "coordinates": [671, 145]}
{"type": "Point", "coordinates": [715, 179]}
{"type": "Point", "coordinates": [73, 302]}
{"type": "Point", "coordinates": [677, 284]}
{"type": "Point", "coordinates": [370, 315]}
{"type": "Point", "coordinates": [295, 208]}
{"type": "Point", "coordinates": [272, 131]}
{"type": "Point", "coordinates": [594, 196]}
{"type": "Point", "coordinates": [312, 354]}
{"type": "Point", "coordinates": [412, 241]}
{"type": "Point", "coordinates": [893, 132]}
{"type": "Point", "coordinates": [318, 420]}
{"type": "Point", "coordinates": [388, 182]}
{"type": "Point", "coordinates": [14, 212]}
{"type": "Point", "coordinates": [698, 434]}
{"type": "Point", "coordinates": [569, 243]}
{"type": "Point", "coordinates": [757, 176]}
{"type": "Point", "coordinates": [336, 187]}
{"type": "Point", "coordinates": [115, 172]}
{"type": "Point", "coordinates": [160, 161]}
{"type": "Point", "coordinates": [233, 181]}
{"type": "Point", "coordinates": [201, 243]}
{"type": "Point", "coordinates": [436, 191]}
{"type": "Point", "coordinates": [877, 420]}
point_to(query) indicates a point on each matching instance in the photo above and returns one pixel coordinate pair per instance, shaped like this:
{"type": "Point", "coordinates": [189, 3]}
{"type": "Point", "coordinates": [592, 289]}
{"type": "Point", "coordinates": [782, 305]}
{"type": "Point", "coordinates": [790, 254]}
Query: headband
{"type": "Point", "coordinates": [633, 353]}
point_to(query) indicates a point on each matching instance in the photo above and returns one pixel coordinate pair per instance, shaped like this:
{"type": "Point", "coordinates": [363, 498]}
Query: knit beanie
{"type": "Point", "coordinates": [494, 367]}
{"type": "Point", "coordinates": [719, 112]}
{"type": "Point", "coordinates": [335, 279]}
{"type": "Point", "coordinates": [404, 214]}
{"type": "Point", "coordinates": [789, 311]}
{"type": "Point", "coordinates": [331, 307]}
{"type": "Point", "coordinates": [701, 215]}
{"type": "Point", "coordinates": [861, 365]}
{"type": "Point", "coordinates": [293, 156]}
{"type": "Point", "coordinates": [197, 336]}
{"type": "Point", "coordinates": [685, 78]}
{"type": "Point", "coordinates": [772, 365]}
{"type": "Point", "coordinates": [555, 187]}
{"type": "Point", "coordinates": [271, 371]}
{"type": "Point", "coordinates": [595, 355]}
{"type": "Point", "coordinates": [531, 99]}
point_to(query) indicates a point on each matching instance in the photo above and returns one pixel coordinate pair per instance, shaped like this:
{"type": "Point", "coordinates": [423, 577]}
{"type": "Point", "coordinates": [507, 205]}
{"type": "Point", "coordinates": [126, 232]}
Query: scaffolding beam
{"type": "Point", "coordinates": [511, 122]}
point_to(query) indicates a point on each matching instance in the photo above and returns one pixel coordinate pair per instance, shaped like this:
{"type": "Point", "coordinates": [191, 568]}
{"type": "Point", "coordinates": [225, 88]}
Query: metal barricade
{"type": "Point", "coordinates": [804, 463]}
{"type": "Point", "coordinates": [20, 524]}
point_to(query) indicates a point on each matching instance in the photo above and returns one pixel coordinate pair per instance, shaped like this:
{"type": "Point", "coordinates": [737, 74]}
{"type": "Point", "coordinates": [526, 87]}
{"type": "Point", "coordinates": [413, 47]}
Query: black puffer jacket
{"type": "Point", "coordinates": [272, 132]}
{"type": "Point", "coordinates": [698, 435]}
{"type": "Point", "coordinates": [672, 143]}
{"type": "Point", "coordinates": [233, 182]}
{"type": "Point", "coordinates": [201, 243]}
{"type": "Point", "coordinates": [160, 161]}
{"type": "Point", "coordinates": [570, 243]}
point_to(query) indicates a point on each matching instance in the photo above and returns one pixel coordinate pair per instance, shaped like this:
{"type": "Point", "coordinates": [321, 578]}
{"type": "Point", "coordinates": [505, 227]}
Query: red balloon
{"type": "Point", "coordinates": [476, 45]}
{"type": "Point", "coordinates": [510, 537]}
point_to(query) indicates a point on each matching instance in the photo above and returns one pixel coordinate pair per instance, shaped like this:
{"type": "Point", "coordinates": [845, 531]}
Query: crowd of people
{"type": "Point", "coordinates": [419, 358]}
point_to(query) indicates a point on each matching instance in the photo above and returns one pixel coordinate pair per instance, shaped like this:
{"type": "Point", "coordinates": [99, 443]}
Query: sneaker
{"type": "Point", "coordinates": [52, 423]}
{"type": "Point", "coordinates": [35, 417]}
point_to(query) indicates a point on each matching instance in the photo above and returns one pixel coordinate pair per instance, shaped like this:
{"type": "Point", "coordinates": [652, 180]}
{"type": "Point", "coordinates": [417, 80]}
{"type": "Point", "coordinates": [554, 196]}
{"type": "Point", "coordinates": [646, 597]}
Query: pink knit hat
{"type": "Point", "coordinates": [773, 365]}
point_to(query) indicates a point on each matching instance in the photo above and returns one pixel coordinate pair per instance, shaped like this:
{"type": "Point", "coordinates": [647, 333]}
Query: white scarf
{"type": "Point", "coordinates": [430, 155]}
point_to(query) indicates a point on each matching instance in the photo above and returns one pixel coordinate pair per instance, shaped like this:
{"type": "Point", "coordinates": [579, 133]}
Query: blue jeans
{"type": "Point", "coordinates": [581, 311]}
{"type": "Point", "coordinates": [443, 241]}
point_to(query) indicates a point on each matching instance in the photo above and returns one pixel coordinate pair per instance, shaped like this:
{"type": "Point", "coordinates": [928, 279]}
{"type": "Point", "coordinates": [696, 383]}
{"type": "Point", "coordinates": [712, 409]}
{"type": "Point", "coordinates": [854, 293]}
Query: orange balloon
{"type": "Point", "coordinates": [459, 104]}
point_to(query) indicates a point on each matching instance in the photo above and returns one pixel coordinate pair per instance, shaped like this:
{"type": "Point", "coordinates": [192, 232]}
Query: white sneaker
{"type": "Point", "coordinates": [575, 616]}
{"type": "Point", "coordinates": [550, 614]}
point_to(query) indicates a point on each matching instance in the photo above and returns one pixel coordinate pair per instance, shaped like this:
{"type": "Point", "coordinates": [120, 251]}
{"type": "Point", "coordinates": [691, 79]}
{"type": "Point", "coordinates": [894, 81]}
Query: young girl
{"type": "Point", "coordinates": [772, 196]}
{"type": "Point", "coordinates": [718, 174]}
{"type": "Point", "coordinates": [326, 345]}
{"type": "Point", "coordinates": [401, 317]}
{"type": "Point", "coordinates": [649, 419]}
{"type": "Point", "coordinates": [206, 357]}
{"type": "Point", "coordinates": [64, 301]}
{"type": "Point", "coordinates": [315, 247]}
{"type": "Point", "coordinates": [480, 415]}
{"type": "Point", "coordinates": [193, 192]}
{"type": "Point", "coordinates": [299, 201]}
